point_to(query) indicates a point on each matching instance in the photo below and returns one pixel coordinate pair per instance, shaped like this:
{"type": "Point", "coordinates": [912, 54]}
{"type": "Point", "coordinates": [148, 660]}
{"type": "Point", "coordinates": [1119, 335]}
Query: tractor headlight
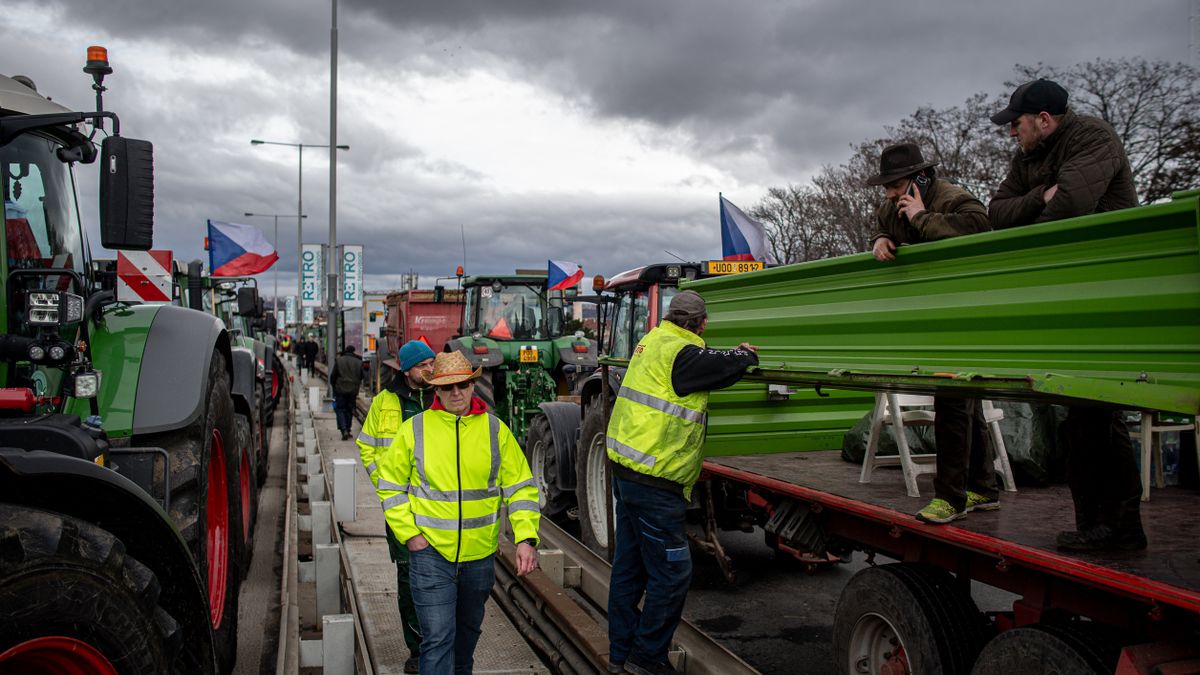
{"type": "Point", "coordinates": [86, 384]}
{"type": "Point", "coordinates": [50, 308]}
{"type": "Point", "coordinates": [36, 352]}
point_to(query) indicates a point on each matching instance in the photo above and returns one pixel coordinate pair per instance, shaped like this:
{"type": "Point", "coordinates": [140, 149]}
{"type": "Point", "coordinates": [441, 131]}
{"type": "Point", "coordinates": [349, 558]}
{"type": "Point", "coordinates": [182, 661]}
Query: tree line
{"type": "Point", "coordinates": [1154, 106]}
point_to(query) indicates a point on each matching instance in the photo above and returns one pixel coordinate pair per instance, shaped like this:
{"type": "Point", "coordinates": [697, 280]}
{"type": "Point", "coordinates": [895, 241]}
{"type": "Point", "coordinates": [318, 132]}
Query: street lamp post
{"type": "Point", "coordinates": [276, 216]}
{"type": "Point", "coordinates": [299, 205]}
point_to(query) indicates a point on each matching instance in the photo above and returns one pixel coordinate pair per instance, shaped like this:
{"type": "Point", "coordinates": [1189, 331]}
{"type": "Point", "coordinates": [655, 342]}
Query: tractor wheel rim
{"type": "Point", "coordinates": [244, 488]}
{"type": "Point", "coordinates": [537, 458]}
{"type": "Point", "coordinates": [875, 644]}
{"type": "Point", "coordinates": [217, 530]}
{"type": "Point", "coordinates": [56, 654]}
{"type": "Point", "coordinates": [597, 473]}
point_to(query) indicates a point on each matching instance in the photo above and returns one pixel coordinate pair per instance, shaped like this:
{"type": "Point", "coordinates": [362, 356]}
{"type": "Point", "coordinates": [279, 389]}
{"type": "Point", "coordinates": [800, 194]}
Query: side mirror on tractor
{"type": "Point", "coordinates": [247, 299]}
{"type": "Point", "coordinates": [127, 194]}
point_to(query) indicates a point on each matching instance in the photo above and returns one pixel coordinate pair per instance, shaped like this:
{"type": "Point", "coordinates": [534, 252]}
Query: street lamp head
{"type": "Point", "coordinates": [343, 147]}
{"type": "Point", "coordinates": [248, 214]}
{"type": "Point", "coordinates": [255, 141]}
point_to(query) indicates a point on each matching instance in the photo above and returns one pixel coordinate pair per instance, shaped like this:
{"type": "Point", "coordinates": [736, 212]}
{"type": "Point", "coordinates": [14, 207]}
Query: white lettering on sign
{"type": "Point", "coordinates": [311, 284]}
{"type": "Point", "coordinates": [352, 276]}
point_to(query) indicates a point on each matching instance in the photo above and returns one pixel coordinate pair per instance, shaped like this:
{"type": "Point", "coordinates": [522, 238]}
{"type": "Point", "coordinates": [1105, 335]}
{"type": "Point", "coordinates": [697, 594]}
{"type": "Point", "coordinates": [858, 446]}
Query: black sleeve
{"type": "Point", "coordinates": [698, 369]}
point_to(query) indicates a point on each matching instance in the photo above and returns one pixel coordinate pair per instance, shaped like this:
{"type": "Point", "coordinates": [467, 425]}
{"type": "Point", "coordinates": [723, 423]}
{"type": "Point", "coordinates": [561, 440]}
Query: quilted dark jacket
{"type": "Point", "coordinates": [950, 211]}
{"type": "Point", "coordinates": [1084, 158]}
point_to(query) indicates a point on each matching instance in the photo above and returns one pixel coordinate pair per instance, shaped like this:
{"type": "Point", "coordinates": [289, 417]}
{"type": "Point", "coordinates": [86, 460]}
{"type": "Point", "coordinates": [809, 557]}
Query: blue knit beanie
{"type": "Point", "coordinates": [414, 352]}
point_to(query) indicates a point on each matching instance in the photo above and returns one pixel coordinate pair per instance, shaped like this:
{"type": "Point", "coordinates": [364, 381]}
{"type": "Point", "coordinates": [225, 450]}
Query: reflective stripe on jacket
{"type": "Point", "coordinates": [379, 428]}
{"type": "Point", "coordinates": [445, 477]}
{"type": "Point", "coordinates": [653, 430]}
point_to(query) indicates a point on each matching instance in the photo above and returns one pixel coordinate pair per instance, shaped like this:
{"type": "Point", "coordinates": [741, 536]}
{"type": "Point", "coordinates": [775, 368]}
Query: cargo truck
{"type": "Point", "coordinates": [1099, 310]}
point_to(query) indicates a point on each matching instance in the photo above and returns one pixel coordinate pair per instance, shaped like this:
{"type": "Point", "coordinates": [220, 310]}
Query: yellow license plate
{"type": "Point", "coordinates": [529, 356]}
{"type": "Point", "coordinates": [733, 266]}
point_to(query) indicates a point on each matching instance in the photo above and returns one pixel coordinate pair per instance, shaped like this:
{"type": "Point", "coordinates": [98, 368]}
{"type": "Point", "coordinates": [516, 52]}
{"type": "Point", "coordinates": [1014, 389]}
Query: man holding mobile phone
{"type": "Point", "coordinates": [921, 207]}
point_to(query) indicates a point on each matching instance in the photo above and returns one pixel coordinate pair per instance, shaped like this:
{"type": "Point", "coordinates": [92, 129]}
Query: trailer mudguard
{"type": "Point", "coordinates": [242, 385]}
{"type": "Point", "coordinates": [465, 345]}
{"type": "Point", "coordinates": [90, 492]}
{"type": "Point", "coordinates": [173, 382]}
{"type": "Point", "coordinates": [564, 418]}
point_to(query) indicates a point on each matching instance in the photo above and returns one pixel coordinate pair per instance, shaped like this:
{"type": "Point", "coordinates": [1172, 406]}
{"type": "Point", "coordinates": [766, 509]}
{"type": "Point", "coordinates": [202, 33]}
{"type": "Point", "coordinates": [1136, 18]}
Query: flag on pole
{"type": "Point", "coordinates": [238, 250]}
{"type": "Point", "coordinates": [742, 237]}
{"type": "Point", "coordinates": [562, 275]}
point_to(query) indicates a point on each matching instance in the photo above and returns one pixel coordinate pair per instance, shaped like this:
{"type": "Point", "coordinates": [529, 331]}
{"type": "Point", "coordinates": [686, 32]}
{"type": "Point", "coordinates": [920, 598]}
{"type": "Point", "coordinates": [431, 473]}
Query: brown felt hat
{"type": "Point", "coordinates": [450, 368]}
{"type": "Point", "coordinates": [898, 161]}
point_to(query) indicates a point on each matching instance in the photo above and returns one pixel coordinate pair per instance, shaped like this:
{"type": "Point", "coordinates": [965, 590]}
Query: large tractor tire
{"type": "Point", "coordinates": [248, 490]}
{"type": "Point", "coordinates": [485, 389]}
{"type": "Point", "coordinates": [205, 503]}
{"type": "Point", "coordinates": [262, 445]}
{"type": "Point", "coordinates": [592, 477]}
{"type": "Point", "coordinates": [543, 462]}
{"type": "Point", "coordinates": [72, 601]}
{"type": "Point", "coordinates": [906, 617]}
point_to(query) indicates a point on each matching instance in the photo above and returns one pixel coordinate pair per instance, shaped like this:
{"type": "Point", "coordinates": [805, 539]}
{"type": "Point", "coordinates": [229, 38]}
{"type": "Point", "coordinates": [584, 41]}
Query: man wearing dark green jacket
{"type": "Point", "coordinates": [920, 207]}
{"type": "Point", "coordinates": [1072, 165]}
{"type": "Point", "coordinates": [407, 395]}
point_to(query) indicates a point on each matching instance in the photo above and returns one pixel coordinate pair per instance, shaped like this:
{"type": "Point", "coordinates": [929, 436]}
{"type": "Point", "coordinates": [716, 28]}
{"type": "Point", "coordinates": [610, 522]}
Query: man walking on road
{"type": "Point", "coordinates": [347, 379]}
{"type": "Point", "coordinates": [654, 441]}
{"type": "Point", "coordinates": [442, 483]}
{"type": "Point", "coordinates": [407, 395]}
{"type": "Point", "coordinates": [921, 207]}
{"type": "Point", "coordinates": [1072, 165]}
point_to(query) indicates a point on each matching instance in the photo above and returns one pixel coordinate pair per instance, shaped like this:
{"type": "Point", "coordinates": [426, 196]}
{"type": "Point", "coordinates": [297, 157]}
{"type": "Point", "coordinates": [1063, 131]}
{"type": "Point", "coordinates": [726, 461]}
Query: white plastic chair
{"type": "Point", "coordinates": [913, 411]}
{"type": "Point", "coordinates": [1151, 424]}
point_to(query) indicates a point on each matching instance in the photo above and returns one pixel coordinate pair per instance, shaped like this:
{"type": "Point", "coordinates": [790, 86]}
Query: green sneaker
{"type": "Point", "coordinates": [939, 511]}
{"type": "Point", "coordinates": [977, 502]}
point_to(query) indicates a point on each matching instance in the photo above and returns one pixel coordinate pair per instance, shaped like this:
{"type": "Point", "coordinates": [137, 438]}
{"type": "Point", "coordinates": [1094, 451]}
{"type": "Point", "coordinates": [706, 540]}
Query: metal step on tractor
{"type": "Point", "coordinates": [517, 331]}
{"type": "Point", "coordinates": [121, 486]}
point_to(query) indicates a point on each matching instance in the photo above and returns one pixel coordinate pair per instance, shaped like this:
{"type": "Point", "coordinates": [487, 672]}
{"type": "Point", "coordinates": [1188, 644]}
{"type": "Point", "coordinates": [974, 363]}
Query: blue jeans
{"type": "Point", "coordinates": [343, 405]}
{"type": "Point", "coordinates": [651, 557]}
{"type": "Point", "coordinates": [449, 598]}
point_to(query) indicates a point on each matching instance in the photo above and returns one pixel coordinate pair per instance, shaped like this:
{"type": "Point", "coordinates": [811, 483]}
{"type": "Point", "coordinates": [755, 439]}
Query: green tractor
{"type": "Point", "coordinates": [517, 332]}
{"type": "Point", "coordinates": [121, 483]}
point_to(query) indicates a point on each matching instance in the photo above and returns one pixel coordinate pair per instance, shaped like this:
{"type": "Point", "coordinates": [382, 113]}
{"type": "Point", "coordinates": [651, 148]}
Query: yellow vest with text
{"type": "Point", "coordinates": [445, 477]}
{"type": "Point", "coordinates": [653, 430]}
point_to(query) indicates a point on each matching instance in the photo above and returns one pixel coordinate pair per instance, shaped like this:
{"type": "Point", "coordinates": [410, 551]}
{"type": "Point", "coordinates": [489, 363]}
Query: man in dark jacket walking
{"type": "Point", "coordinates": [347, 379]}
{"type": "Point", "coordinates": [1072, 165]}
{"type": "Point", "coordinates": [921, 207]}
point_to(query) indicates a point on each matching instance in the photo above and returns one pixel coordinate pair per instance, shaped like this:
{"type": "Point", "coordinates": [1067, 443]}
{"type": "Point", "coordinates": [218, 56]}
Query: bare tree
{"type": "Point", "coordinates": [1154, 106]}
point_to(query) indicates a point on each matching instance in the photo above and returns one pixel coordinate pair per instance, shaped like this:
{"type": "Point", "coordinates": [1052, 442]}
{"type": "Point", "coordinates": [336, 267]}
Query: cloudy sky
{"type": "Point", "coordinates": [598, 132]}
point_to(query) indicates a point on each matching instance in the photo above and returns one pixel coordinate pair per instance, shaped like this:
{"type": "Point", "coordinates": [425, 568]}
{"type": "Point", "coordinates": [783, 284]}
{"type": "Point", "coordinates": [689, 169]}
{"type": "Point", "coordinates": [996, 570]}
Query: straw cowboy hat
{"type": "Point", "coordinates": [451, 368]}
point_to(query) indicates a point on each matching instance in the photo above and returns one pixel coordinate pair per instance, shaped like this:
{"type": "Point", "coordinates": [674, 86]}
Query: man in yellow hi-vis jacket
{"type": "Point", "coordinates": [655, 437]}
{"type": "Point", "coordinates": [442, 483]}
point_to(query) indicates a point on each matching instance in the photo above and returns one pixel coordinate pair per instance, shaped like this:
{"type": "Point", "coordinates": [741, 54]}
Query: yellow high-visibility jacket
{"type": "Point", "coordinates": [445, 477]}
{"type": "Point", "coordinates": [653, 430]}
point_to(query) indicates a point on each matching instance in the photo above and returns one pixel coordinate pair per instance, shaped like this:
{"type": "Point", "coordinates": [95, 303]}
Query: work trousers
{"type": "Point", "coordinates": [1102, 470]}
{"type": "Point", "coordinates": [965, 456]}
{"type": "Point", "coordinates": [651, 557]}
{"type": "Point", "coordinates": [450, 599]}
{"type": "Point", "coordinates": [343, 406]}
{"type": "Point", "coordinates": [409, 623]}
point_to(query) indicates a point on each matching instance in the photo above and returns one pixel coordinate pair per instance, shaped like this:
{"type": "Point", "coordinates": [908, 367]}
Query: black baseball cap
{"type": "Point", "coordinates": [1034, 97]}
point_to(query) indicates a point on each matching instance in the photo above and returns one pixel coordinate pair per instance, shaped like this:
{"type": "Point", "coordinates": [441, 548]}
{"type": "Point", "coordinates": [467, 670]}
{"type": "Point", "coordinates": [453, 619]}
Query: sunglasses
{"type": "Point", "coordinates": [457, 385]}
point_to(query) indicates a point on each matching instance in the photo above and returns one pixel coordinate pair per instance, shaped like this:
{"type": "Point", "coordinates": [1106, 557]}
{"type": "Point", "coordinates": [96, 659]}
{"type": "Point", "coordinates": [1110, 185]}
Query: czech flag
{"type": "Point", "coordinates": [562, 275]}
{"type": "Point", "coordinates": [238, 250]}
{"type": "Point", "coordinates": [742, 237]}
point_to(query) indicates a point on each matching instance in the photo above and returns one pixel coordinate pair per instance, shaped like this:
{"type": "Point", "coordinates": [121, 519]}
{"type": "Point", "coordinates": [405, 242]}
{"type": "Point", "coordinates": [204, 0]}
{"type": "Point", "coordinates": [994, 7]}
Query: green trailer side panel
{"type": "Point", "coordinates": [745, 420]}
{"type": "Point", "coordinates": [118, 343]}
{"type": "Point", "coordinates": [1100, 308]}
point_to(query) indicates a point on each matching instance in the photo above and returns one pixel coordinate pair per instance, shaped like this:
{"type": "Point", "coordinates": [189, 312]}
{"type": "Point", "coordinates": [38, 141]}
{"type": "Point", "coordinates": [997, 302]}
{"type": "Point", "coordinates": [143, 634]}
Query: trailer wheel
{"type": "Point", "coordinates": [906, 617]}
{"type": "Point", "coordinates": [72, 601]}
{"type": "Point", "coordinates": [592, 477]}
{"type": "Point", "coordinates": [543, 462]}
{"type": "Point", "coordinates": [1048, 648]}
{"type": "Point", "coordinates": [205, 503]}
